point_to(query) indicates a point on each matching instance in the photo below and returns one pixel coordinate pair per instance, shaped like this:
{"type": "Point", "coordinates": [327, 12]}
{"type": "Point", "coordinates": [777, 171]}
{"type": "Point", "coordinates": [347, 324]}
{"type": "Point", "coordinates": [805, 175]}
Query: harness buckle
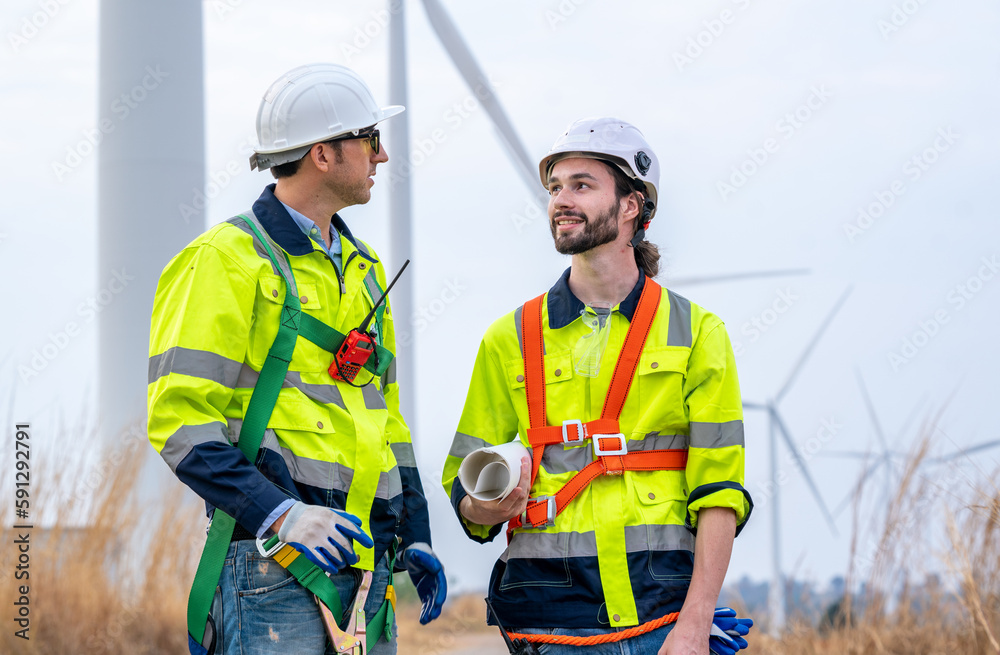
{"type": "Point", "coordinates": [599, 451]}
{"type": "Point", "coordinates": [268, 552]}
{"type": "Point", "coordinates": [550, 513]}
{"type": "Point", "coordinates": [581, 434]}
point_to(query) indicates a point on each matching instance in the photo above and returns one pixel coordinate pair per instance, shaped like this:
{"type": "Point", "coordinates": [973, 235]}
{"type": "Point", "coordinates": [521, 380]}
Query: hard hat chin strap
{"type": "Point", "coordinates": [647, 213]}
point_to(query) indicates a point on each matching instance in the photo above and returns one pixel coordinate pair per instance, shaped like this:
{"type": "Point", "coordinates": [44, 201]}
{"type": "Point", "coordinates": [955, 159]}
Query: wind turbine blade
{"type": "Point", "coordinates": [871, 412]}
{"type": "Point", "coordinates": [752, 405]}
{"type": "Point", "coordinates": [530, 178]}
{"type": "Point", "coordinates": [964, 452]}
{"type": "Point", "coordinates": [805, 471]}
{"type": "Point", "coordinates": [812, 344]}
{"type": "Point", "coordinates": [709, 279]}
{"type": "Point", "coordinates": [480, 85]}
{"type": "Point", "coordinates": [847, 454]}
{"type": "Point", "coordinates": [871, 470]}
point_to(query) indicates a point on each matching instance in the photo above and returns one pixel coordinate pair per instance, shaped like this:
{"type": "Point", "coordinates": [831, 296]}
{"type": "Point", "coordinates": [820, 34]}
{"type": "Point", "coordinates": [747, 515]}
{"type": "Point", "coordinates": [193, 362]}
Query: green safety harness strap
{"type": "Point", "coordinates": [293, 323]}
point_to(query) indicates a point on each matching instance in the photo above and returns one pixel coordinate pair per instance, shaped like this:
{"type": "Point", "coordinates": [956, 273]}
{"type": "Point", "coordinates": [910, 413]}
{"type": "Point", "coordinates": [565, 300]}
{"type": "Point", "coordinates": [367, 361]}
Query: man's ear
{"type": "Point", "coordinates": [321, 155]}
{"type": "Point", "coordinates": [629, 206]}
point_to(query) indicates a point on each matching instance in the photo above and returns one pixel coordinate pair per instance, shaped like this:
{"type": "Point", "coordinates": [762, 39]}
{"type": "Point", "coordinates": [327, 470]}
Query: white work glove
{"type": "Point", "coordinates": [323, 535]}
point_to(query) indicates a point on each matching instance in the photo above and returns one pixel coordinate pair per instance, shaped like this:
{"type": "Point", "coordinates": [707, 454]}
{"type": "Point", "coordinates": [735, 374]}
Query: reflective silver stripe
{"type": "Point", "coordinates": [258, 247]}
{"type": "Point", "coordinates": [180, 443]}
{"type": "Point", "coordinates": [465, 444]}
{"type": "Point", "coordinates": [327, 394]}
{"type": "Point", "coordinates": [196, 363]}
{"type": "Point", "coordinates": [279, 254]}
{"type": "Point", "coordinates": [518, 319]}
{"type": "Point", "coordinates": [545, 545]}
{"type": "Point", "coordinates": [717, 435]}
{"type": "Point", "coordinates": [517, 323]}
{"type": "Point", "coordinates": [335, 476]}
{"type": "Point", "coordinates": [389, 377]}
{"type": "Point", "coordinates": [564, 458]}
{"type": "Point", "coordinates": [324, 475]}
{"type": "Point", "coordinates": [268, 442]}
{"type": "Point", "coordinates": [638, 539]}
{"type": "Point", "coordinates": [372, 285]}
{"type": "Point", "coordinates": [373, 397]}
{"type": "Point", "coordinates": [679, 330]}
{"type": "Point", "coordinates": [390, 484]}
{"type": "Point", "coordinates": [403, 452]}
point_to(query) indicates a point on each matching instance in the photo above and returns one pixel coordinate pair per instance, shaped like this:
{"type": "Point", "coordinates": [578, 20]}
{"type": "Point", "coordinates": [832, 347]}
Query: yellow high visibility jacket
{"type": "Point", "coordinates": [215, 316]}
{"type": "Point", "coordinates": [621, 552]}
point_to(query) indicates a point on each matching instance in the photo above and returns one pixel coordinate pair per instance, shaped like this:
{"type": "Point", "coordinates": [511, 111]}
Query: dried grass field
{"type": "Point", "coordinates": [119, 585]}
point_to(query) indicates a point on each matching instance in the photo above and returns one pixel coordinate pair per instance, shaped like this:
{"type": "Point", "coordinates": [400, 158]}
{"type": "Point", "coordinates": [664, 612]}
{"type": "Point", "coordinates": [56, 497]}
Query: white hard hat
{"type": "Point", "coordinates": [310, 104]}
{"type": "Point", "coordinates": [609, 139]}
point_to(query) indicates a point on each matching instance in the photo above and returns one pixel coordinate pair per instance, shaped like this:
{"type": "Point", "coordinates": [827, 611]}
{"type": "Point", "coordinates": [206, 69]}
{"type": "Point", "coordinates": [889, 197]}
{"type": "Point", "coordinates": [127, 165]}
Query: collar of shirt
{"type": "Point", "coordinates": [564, 307]}
{"type": "Point", "coordinates": [310, 229]}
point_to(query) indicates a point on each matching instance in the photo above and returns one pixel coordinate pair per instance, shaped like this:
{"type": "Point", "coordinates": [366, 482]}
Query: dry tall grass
{"type": "Point", "coordinates": [107, 575]}
{"type": "Point", "coordinates": [120, 584]}
{"type": "Point", "coordinates": [931, 579]}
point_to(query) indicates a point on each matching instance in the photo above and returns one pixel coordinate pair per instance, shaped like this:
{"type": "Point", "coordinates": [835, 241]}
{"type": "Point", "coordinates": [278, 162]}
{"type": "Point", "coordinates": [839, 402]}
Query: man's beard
{"type": "Point", "coordinates": [604, 229]}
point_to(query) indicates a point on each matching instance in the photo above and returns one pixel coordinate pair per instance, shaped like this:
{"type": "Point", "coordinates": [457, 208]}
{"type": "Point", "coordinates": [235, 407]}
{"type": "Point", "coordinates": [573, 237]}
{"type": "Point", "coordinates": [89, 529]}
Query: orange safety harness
{"type": "Point", "coordinates": [610, 444]}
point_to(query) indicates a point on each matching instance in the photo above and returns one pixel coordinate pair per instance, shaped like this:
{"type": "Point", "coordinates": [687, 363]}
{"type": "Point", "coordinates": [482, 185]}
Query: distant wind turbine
{"type": "Point", "coordinates": [776, 426]}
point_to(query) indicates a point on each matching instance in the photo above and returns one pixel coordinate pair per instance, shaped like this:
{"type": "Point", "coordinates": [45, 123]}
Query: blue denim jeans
{"type": "Point", "coordinates": [646, 644]}
{"type": "Point", "coordinates": [261, 609]}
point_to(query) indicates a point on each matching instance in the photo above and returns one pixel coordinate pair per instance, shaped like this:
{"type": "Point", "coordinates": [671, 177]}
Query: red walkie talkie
{"type": "Point", "coordinates": [358, 345]}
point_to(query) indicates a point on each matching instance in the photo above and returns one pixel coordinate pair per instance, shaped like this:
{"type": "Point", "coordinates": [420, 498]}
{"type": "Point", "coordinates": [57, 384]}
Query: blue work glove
{"type": "Point", "coordinates": [323, 535]}
{"type": "Point", "coordinates": [728, 631]}
{"type": "Point", "coordinates": [427, 575]}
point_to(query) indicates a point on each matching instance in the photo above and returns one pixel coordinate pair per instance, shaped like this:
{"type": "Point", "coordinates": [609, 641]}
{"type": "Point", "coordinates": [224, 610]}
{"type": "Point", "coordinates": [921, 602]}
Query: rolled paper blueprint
{"type": "Point", "coordinates": [492, 473]}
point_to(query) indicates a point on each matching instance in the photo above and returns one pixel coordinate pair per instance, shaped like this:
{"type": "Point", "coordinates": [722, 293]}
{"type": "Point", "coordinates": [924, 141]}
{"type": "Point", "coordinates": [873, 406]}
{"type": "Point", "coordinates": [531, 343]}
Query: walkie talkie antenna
{"type": "Point", "coordinates": [371, 314]}
{"type": "Point", "coordinates": [503, 633]}
{"type": "Point", "coordinates": [518, 647]}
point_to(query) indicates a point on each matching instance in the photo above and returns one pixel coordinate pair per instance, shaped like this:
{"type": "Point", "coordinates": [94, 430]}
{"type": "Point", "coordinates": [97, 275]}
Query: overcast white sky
{"type": "Point", "coordinates": [842, 97]}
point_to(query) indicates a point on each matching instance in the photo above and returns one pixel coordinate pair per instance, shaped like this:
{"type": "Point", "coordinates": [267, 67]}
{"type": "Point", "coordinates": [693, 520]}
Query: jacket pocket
{"type": "Point", "coordinates": [558, 371]}
{"type": "Point", "coordinates": [661, 496]}
{"type": "Point", "coordinates": [300, 416]}
{"type": "Point", "coordinates": [661, 374]}
{"type": "Point", "coordinates": [536, 572]}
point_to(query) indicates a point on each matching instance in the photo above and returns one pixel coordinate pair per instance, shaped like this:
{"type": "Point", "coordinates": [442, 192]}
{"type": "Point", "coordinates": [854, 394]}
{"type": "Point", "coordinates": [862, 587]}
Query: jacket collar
{"type": "Point", "coordinates": [280, 226]}
{"type": "Point", "coordinates": [564, 307]}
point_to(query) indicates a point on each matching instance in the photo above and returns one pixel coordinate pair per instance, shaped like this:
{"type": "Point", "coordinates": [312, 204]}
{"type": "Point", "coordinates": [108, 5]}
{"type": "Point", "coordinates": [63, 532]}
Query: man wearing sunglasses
{"type": "Point", "coordinates": [309, 476]}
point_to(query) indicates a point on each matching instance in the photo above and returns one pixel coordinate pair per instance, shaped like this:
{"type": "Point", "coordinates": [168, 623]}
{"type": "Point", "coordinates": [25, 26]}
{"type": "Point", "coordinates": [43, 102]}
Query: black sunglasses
{"type": "Point", "coordinates": [371, 134]}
